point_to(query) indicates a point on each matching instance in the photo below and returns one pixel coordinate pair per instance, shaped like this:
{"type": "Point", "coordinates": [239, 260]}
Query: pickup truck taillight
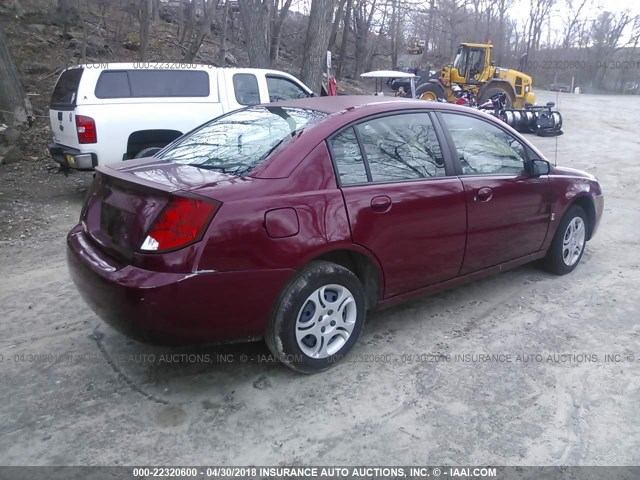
{"type": "Point", "coordinates": [181, 223]}
{"type": "Point", "coordinates": [86, 128]}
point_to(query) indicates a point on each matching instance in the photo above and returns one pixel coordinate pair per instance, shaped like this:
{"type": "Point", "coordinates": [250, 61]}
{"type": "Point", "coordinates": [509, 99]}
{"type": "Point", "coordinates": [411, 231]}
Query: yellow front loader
{"type": "Point", "coordinates": [472, 69]}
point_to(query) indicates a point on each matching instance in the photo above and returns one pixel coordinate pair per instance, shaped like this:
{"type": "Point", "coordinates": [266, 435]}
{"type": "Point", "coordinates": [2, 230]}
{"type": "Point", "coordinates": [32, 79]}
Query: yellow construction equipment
{"type": "Point", "coordinates": [415, 46]}
{"type": "Point", "coordinates": [472, 70]}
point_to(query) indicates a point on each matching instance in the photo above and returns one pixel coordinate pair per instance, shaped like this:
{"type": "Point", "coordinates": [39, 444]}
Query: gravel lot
{"type": "Point", "coordinates": [73, 391]}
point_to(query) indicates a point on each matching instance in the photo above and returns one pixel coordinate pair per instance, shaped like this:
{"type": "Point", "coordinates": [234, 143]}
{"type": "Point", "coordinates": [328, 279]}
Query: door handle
{"type": "Point", "coordinates": [381, 203]}
{"type": "Point", "coordinates": [483, 195]}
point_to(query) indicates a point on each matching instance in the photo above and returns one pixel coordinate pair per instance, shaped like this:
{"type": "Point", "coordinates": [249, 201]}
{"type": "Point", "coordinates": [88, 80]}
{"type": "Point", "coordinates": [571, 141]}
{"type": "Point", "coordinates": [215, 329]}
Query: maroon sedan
{"type": "Point", "coordinates": [289, 221]}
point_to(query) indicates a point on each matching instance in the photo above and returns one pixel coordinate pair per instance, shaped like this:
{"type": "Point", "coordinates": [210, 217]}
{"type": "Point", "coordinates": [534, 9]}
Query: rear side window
{"type": "Point", "coordinates": [402, 147]}
{"type": "Point", "coordinates": [348, 158]}
{"type": "Point", "coordinates": [66, 90]}
{"type": "Point", "coordinates": [246, 88]}
{"type": "Point", "coordinates": [113, 85]}
{"type": "Point", "coordinates": [152, 83]}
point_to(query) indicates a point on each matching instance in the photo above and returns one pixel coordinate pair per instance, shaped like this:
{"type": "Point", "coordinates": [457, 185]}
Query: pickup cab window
{"type": "Point", "coordinates": [245, 86]}
{"type": "Point", "coordinates": [281, 88]}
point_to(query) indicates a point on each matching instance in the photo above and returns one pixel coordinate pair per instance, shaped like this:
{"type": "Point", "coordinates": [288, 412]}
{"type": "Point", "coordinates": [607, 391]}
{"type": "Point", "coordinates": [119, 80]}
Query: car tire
{"type": "Point", "coordinates": [569, 242]}
{"type": "Point", "coordinates": [317, 318]}
{"type": "Point", "coordinates": [148, 152]}
{"type": "Point", "coordinates": [430, 91]}
{"type": "Point", "coordinates": [492, 92]}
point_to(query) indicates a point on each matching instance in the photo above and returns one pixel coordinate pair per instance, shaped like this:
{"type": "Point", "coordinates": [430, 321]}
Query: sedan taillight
{"type": "Point", "coordinates": [86, 128]}
{"type": "Point", "coordinates": [181, 223]}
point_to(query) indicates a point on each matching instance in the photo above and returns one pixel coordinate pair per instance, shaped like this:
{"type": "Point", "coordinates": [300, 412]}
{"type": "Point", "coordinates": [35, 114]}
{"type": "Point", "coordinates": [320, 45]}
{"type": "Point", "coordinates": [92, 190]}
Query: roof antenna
{"type": "Point", "coordinates": [555, 160]}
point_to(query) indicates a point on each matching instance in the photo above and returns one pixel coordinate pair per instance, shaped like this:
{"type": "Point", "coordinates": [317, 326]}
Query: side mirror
{"type": "Point", "coordinates": [540, 167]}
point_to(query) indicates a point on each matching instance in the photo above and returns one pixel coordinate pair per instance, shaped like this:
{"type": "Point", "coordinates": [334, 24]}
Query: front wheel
{"type": "Point", "coordinates": [318, 317]}
{"type": "Point", "coordinates": [569, 242]}
{"type": "Point", "coordinates": [430, 91]}
{"type": "Point", "coordinates": [492, 92]}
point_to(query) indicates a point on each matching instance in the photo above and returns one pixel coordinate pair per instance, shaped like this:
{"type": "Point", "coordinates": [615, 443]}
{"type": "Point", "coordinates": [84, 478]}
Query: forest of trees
{"type": "Point", "coordinates": [564, 40]}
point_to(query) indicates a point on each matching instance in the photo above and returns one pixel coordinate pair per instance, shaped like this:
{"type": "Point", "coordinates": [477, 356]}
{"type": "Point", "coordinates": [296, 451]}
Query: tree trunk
{"type": "Point", "coordinates": [316, 43]}
{"type": "Point", "coordinates": [256, 19]}
{"type": "Point", "coordinates": [345, 39]}
{"type": "Point", "coordinates": [203, 31]}
{"type": "Point", "coordinates": [146, 8]}
{"type": "Point", "coordinates": [274, 47]}
{"type": "Point", "coordinates": [222, 53]}
{"type": "Point", "coordinates": [64, 9]}
{"type": "Point", "coordinates": [12, 95]}
{"type": "Point", "coordinates": [336, 24]}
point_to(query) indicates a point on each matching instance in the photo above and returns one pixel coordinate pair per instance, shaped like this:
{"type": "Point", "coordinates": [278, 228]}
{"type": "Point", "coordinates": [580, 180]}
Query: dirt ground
{"type": "Point", "coordinates": [73, 391]}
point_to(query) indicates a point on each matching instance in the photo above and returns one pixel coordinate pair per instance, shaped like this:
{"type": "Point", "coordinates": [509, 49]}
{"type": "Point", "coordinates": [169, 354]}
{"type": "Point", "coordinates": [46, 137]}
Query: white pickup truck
{"type": "Point", "coordinates": [107, 113]}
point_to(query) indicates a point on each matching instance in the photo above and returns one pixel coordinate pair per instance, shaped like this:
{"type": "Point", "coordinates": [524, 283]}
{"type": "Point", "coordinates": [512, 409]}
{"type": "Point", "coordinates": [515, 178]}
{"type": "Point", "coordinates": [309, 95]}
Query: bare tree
{"type": "Point", "coordinates": [224, 21]}
{"type": "Point", "coordinates": [606, 33]}
{"type": "Point", "coordinates": [538, 14]}
{"type": "Point", "coordinates": [13, 98]}
{"type": "Point", "coordinates": [209, 7]}
{"type": "Point", "coordinates": [316, 43]}
{"type": "Point", "coordinates": [145, 15]}
{"type": "Point", "coordinates": [363, 14]}
{"type": "Point", "coordinates": [573, 20]}
{"type": "Point", "coordinates": [278, 18]}
{"type": "Point", "coordinates": [337, 19]}
{"type": "Point", "coordinates": [256, 22]}
{"type": "Point", "coordinates": [345, 39]}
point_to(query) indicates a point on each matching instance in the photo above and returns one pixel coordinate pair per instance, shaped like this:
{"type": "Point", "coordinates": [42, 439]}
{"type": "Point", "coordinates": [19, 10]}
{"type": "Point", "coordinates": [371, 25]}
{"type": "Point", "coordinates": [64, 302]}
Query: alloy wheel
{"type": "Point", "coordinates": [325, 321]}
{"type": "Point", "coordinates": [573, 241]}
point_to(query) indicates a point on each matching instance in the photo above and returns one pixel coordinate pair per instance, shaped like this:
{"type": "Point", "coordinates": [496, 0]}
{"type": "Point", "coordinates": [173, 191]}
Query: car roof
{"type": "Point", "coordinates": [341, 103]}
{"type": "Point", "coordinates": [343, 110]}
{"type": "Point", "coordinates": [170, 66]}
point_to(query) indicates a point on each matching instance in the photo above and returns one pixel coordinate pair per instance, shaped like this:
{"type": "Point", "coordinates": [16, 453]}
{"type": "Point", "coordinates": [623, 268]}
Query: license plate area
{"type": "Point", "coordinates": [116, 223]}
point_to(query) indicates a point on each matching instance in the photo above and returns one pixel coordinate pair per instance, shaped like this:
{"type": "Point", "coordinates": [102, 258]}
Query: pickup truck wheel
{"type": "Point", "coordinates": [318, 317]}
{"type": "Point", "coordinates": [148, 152]}
{"type": "Point", "coordinates": [568, 244]}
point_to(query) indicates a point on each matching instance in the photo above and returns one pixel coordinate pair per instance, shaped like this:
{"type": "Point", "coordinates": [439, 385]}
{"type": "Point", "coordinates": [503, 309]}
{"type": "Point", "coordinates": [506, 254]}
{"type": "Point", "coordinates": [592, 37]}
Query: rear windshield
{"type": "Point", "coordinates": [238, 142]}
{"type": "Point", "coordinates": [66, 90]}
{"type": "Point", "coordinates": [152, 83]}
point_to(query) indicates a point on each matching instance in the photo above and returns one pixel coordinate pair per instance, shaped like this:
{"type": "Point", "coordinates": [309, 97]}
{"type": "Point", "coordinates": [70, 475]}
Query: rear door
{"type": "Point", "coordinates": [62, 107]}
{"type": "Point", "coordinates": [508, 209]}
{"type": "Point", "coordinates": [403, 202]}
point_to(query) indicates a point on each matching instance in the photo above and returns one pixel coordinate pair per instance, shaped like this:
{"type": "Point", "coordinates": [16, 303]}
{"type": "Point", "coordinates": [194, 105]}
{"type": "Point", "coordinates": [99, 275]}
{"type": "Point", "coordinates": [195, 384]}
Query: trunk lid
{"type": "Point", "coordinates": [62, 108]}
{"type": "Point", "coordinates": [126, 198]}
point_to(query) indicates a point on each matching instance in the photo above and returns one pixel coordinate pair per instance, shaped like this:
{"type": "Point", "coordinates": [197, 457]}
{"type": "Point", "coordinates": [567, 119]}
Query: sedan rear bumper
{"type": "Point", "coordinates": [173, 308]}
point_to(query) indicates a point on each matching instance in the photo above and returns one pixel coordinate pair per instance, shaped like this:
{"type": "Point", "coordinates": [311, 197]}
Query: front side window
{"type": "Point", "coordinates": [402, 147]}
{"type": "Point", "coordinates": [348, 158]}
{"type": "Point", "coordinates": [483, 148]}
{"type": "Point", "coordinates": [246, 89]}
{"type": "Point", "coordinates": [238, 142]}
{"type": "Point", "coordinates": [281, 88]}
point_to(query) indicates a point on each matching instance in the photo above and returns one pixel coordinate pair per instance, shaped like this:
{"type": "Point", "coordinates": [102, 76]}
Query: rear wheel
{"type": "Point", "coordinates": [430, 91]}
{"type": "Point", "coordinates": [148, 152]}
{"type": "Point", "coordinates": [318, 317]}
{"type": "Point", "coordinates": [492, 92]}
{"type": "Point", "coordinates": [569, 242]}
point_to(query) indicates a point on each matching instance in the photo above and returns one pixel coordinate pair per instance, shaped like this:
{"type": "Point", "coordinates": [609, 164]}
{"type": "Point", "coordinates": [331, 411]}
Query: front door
{"type": "Point", "coordinates": [403, 204]}
{"type": "Point", "coordinates": [508, 209]}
